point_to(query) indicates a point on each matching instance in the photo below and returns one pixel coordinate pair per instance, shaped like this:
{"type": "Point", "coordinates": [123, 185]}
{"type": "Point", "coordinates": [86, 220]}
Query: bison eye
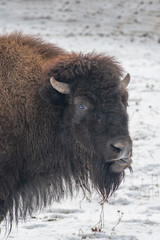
{"type": "Point", "coordinates": [80, 106]}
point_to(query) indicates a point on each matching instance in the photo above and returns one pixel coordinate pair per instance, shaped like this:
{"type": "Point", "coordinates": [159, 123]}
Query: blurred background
{"type": "Point", "coordinates": [65, 19]}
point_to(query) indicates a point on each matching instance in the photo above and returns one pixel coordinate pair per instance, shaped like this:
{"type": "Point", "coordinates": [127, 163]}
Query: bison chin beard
{"type": "Point", "coordinates": [104, 180]}
{"type": "Point", "coordinates": [89, 167]}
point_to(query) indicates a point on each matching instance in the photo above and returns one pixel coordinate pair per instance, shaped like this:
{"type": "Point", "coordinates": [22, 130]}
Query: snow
{"type": "Point", "coordinates": [130, 31]}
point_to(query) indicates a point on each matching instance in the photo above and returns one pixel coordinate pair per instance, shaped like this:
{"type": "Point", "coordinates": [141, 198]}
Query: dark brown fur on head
{"type": "Point", "coordinates": [48, 147]}
{"type": "Point", "coordinates": [97, 77]}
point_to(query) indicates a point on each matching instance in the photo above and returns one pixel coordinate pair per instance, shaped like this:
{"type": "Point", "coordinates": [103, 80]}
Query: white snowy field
{"type": "Point", "coordinates": [130, 31]}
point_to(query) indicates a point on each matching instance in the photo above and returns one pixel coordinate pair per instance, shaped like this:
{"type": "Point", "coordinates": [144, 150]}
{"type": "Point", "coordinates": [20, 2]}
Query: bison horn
{"type": "Point", "coordinates": [126, 80]}
{"type": "Point", "coordinates": [59, 86]}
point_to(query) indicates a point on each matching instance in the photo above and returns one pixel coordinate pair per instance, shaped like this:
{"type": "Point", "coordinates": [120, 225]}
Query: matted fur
{"type": "Point", "coordinates": [44, 154]}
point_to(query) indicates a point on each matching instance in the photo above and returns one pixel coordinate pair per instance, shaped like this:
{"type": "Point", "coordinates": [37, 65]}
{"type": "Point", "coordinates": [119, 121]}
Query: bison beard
{"type": "Point", "coordinates": [91, 167]}
{"type": "Point", "coordinates": [54, 137]}
{"type": "Point", "coordinates": [105, 180]}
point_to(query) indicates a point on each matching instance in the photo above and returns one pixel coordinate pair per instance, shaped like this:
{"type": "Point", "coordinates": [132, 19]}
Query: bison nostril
{"type": "Point", "coordinates": [117, 148]}
{"type": "Point", "coordinates": [122, 150]}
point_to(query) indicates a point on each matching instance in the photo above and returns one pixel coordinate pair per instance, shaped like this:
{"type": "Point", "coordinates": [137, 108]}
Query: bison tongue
{"type": "Point", "coordinates": [125, 161]}
{"type": "Point", "coordinates": [120, 165]}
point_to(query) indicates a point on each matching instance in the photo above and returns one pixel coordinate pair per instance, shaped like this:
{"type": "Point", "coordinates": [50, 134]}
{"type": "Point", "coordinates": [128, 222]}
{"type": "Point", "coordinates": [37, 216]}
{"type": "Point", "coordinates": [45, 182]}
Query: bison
{"type": "Point", "coordinates": [63, 124]}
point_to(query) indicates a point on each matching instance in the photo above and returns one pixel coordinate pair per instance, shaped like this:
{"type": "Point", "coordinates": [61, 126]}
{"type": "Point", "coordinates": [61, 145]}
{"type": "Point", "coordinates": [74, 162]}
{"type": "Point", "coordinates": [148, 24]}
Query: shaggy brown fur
{"type": "Point", "coordinates": [47, 147]}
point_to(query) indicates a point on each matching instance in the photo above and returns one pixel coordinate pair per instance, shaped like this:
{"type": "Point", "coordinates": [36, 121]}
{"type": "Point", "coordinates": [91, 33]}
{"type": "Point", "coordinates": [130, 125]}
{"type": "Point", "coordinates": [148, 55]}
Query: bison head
{"type": "Point", "coordinates": [92, 100]}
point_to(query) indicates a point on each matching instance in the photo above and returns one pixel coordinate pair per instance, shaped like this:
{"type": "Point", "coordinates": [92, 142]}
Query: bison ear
{"type": "Point", "coordinates": [50, 95]}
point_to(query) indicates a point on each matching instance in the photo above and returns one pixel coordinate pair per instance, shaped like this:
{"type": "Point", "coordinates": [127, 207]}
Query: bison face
{"type": "Point", "coordinates": [102, 129]}
{"type": "Point", "coordinates": [94, 112]}
{"type": "Point", "coordinates": [99, 122]}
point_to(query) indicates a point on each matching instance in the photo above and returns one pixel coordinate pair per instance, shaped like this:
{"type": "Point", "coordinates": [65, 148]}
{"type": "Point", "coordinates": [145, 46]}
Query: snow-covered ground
{"type": "Point", "coordinates": [129, 30]}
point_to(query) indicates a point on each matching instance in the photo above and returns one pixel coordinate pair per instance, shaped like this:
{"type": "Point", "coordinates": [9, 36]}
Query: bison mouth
{"type": "Point", "coordinates": [120, 165]}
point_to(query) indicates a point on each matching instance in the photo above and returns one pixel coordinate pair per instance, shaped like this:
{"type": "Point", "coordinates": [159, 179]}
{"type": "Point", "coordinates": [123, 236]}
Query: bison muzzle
{"type": "Point", "coordinates": [63, 124]}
